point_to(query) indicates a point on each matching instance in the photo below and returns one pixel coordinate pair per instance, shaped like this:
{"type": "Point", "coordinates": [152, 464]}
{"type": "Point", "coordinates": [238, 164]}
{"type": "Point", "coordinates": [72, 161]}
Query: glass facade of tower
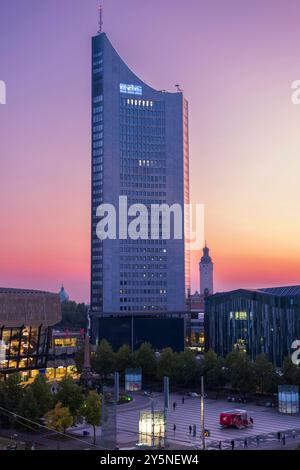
{"type": "Point", "coordinates": [139, 151]}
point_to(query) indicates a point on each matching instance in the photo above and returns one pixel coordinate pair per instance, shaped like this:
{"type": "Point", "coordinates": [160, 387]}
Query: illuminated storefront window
{"type": "Point", "coordinates": [51, 373]}
{"type": "Point", "coordinates": [133, 380]}
{"type": "Point", "coordinates": [152, 428]}
{"type": "Point", "coordinates": [65, 342]}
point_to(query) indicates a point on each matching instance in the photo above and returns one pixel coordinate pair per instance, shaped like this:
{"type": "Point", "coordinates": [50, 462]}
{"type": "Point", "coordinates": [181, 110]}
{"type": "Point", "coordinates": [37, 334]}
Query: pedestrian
{"type": "Point", "coordinates": [251, 420]}
{"type": "Point", "coordinates": [174, 405]}
{"type": "Point", "coordinates": [246, 443]}
{"type": "Point", "coordinates": [190, 430]}
{"type": "Point", "coordinates": [194, 430]}
{"type": "Point", "coordinates": [182, 400]}
{"type": "Point", "coordinates": [278, 436]}
{"type": "Point", "coordinates": [257, 440]}
{"type": "Point", "coordinates": [283, 439]}
{"type": "Point", "coordinates": [220, 445]}
{"type": "Point", "coordinates": [294, 434]}
{"type": "Point", "coordinates": [232, 444]}
{"type": "Point", "coordinates": [174, 428]}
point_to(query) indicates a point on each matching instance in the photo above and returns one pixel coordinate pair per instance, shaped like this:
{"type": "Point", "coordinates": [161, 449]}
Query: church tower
{"type": "Point", "coordinates": [206, 267]}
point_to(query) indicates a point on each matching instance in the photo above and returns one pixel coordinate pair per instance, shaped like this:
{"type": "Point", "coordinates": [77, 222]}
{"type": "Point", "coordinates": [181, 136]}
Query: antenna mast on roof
{"type": "Point", "coordinates": [178, 88]}
{"type": "Point", "coordinates": [100, 8]}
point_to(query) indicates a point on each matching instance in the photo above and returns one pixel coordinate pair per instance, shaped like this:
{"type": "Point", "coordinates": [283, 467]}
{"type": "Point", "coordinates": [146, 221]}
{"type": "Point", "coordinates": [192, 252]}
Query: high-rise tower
{"type": "Point", "coordinates": [206, 267]}
{"type": "Point", "coordinates": [139, 150]}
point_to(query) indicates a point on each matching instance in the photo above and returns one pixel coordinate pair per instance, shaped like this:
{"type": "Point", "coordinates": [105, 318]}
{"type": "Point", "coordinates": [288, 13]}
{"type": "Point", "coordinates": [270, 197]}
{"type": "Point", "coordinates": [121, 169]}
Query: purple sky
{"type": "Point", "coordinates": [234, 59]}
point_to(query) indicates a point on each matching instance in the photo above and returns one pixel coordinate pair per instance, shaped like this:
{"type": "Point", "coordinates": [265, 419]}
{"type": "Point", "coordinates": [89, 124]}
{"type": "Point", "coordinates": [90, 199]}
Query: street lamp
{"type": "Point", "coordinates": [202, 414]}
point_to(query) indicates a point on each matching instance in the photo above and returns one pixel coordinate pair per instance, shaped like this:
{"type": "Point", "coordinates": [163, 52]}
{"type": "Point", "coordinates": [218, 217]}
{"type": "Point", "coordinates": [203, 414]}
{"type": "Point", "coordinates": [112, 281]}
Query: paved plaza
{"type": "Point", "coordinates": [267, 422]}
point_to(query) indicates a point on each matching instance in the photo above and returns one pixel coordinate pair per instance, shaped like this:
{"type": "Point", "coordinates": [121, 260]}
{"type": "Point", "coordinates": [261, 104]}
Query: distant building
{"type": "Point", "coordinates": [195, 333]}
{"type": "Point", "coordinates": [63, 347]}
{"type": "Point", "coordinates": [256, 321]}
{"type": "Point", "coordinates": [206, 268]}
{"type": "Point", "coordinates": [195, 303]}
{"type": "Point", "coordinates": [63, 295]}
{"type": "Point", "coordinates": [26, 321]}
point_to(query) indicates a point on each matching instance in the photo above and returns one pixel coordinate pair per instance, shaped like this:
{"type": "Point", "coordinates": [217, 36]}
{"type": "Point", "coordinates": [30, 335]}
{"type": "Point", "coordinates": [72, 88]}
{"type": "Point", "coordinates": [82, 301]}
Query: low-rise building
{"type": "Point", "coordinates": [26, 321]}
{"type": "Point", "coordinates": [256, 321]}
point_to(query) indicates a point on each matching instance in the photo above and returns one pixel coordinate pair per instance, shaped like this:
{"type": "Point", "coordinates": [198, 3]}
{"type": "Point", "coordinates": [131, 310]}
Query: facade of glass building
{"type": "Point", "coordinates": [139, 151]}
{"type": "Point", "coordinates": [26, 318]}
{"type": "Point", "coordinates": [256, 321]}
{"type": "Point", "coordinates": [288, 399]}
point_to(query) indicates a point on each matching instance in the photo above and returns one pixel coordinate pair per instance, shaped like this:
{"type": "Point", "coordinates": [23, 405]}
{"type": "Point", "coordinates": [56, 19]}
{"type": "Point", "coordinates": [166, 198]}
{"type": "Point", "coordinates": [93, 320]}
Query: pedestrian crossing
{"type": "Point", "coordinates": [267, 422]}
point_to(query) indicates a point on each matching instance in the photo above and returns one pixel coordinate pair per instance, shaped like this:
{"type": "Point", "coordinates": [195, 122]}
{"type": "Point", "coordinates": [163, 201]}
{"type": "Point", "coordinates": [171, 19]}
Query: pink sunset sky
{"type": "Point", "coordinates": [234, 59]}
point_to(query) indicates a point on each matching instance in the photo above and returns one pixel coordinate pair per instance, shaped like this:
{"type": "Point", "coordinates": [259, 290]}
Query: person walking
{"type": "Point", "coordinates": [220, 445]}
{"type": "Point", "coordinates": [194, 430]}
{"type": "Point", "coordinates": [182, 400]}
{"type": "Point", "coordinates": [232, 444]}
{"type": "Point", "coordinates": [283, 439]}
{"type": "Point", "coordinates": [174, 405]}
{"type": "Point", "coordinates": [174, 428]}
{"type": "Point", "coordinates": [278, 436]}
{"type": "Point", "coordinates": [246, 443]}
{"type": "Point", "coordinates": [257, 440]}
{"type": "Point", "coordinates": [190, 429]}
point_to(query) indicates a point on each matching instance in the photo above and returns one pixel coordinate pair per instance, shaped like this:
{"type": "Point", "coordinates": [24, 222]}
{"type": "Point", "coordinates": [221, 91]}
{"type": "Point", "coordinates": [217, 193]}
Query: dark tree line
{"type": "Point", "coordinates": [184, 369]}
{"type": "Point", "coordinates": [37, 403]}
{"type": "Point", "coordinates": [74, 315]}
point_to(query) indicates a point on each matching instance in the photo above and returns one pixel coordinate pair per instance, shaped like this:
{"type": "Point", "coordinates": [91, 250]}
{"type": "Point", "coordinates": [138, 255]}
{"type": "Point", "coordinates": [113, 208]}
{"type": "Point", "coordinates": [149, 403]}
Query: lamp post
{"type": "Point", "coordinates": [202, 414]}
{"type": "Point", "coordinates": [152, 424]}
{"type": "Point", "coordinates": [166, 407]}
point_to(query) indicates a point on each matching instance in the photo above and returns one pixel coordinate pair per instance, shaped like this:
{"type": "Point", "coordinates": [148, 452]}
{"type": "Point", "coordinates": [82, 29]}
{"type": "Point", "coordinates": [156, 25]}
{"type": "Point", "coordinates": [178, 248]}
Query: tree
{"type": "Point", "coordinates": [79, 360]}
{"type": "Point", "coordinates": [29, 407]}
{"type": "Point", "coordinates": [92, 410]}
{"type": "Point", "coordinates": [241, 372]}
{"type": "Point", "coordinates": [213, 370]}
{"type": "Point", "coordinates": [103, 361]}
{"type": "Point", "coordinates": [167, 364]}
{"type": "Point", "coordinates": [124, 359]}
{"type": "Point", "coordinates": [265, 375]}
{"type": "Point", "coordinates": [291, 372]}
{"type": "Point", "coordinates": [145, 358]}
{"type": "Point", "coordinates": [70, 395]}
{"type": "Point", "coordinates": [73, 315]}
{"type": "Point", "coordinates": [187, 370]}
{"type": "Point", "coordinates": [41, 391]}
{"type": "Point", "coordinates": [11, 395]}
{"type": "Point", "coordinates": [37, 399]}
{"type": "Point", "coordinates": [210, 360]}
{"type": "Point", "coordinates": [59, 419]}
